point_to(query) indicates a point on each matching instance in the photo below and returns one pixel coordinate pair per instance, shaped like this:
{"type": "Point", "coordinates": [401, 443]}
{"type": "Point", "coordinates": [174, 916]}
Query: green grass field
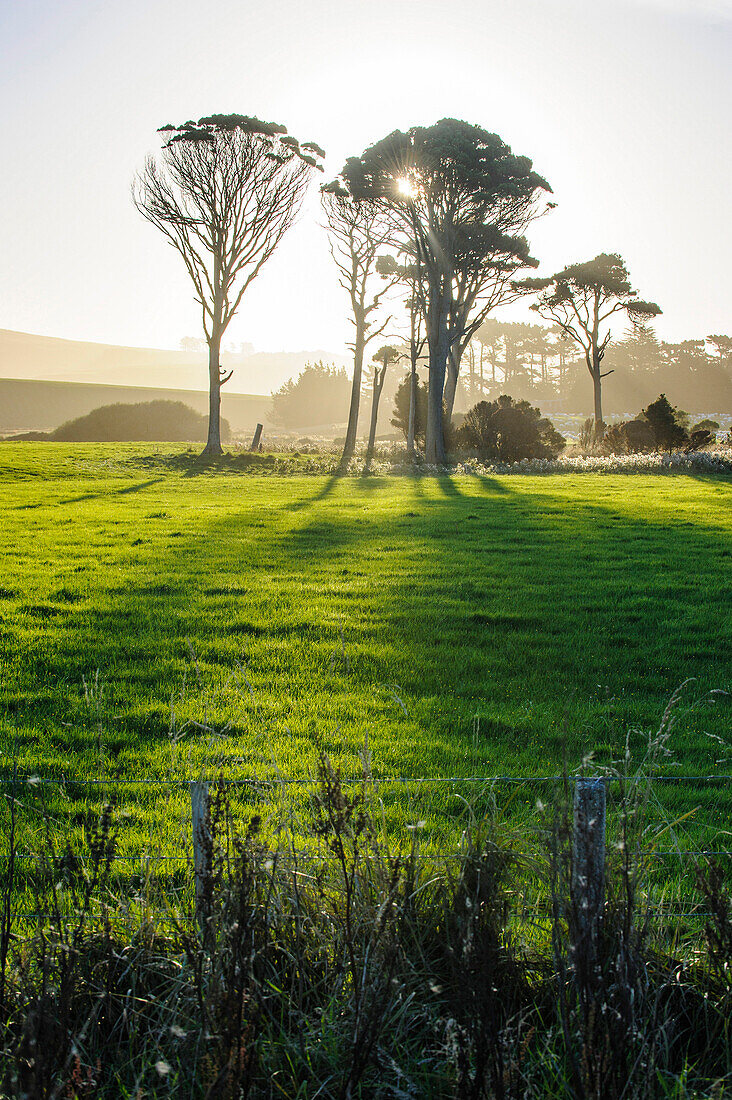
{"type": "Point", "coordinates": [157, 624]}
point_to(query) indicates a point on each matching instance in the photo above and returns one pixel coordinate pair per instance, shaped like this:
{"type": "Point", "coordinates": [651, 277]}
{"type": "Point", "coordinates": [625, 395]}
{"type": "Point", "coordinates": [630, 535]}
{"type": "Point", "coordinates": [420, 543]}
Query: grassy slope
{"type": "Point", "coordinates": [560, 610]}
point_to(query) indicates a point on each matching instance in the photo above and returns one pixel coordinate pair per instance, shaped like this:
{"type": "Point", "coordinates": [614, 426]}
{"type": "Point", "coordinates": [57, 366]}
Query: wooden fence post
{"type": "Point", "coordinates": [588, 861]}
{"type": "Point", "coordinates": [257, 437]}
{"type": "Point", "coordinates": [202, 846]}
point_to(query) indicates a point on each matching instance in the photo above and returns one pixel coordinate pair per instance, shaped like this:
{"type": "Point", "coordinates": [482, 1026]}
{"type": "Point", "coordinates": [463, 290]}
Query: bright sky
{"type": "Point", "coordinates": [623, 105]}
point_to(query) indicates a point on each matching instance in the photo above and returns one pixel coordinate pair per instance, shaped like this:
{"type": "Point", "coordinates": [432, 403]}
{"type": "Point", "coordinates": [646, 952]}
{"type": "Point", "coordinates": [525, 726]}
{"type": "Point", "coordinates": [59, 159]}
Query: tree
{"type": "Point", "coordinates": [317, 396]}
{"type": "Point", "coordinates": [357, 232]}
{"type": "Point", "coordinates": [580, 300]}
{"type": "Point", "coordinates": [410, 410]}
{"type": "Point", "coordinates": [460, 199]}
{"type": "Point", "coordinates": [722, 345]}
{"type": "Point", "coordinates": [382, 358]}
{"type": "Point", "coordinates": [407, 275]}
{"type": "Point", "coordinates": [509, 431]}
{"type": "Point", "coordinates": [223, 191]}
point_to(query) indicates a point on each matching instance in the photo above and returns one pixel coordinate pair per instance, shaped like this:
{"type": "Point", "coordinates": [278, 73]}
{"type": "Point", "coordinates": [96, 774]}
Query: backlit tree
{"type": "Point", "coordinates": [223, 191]}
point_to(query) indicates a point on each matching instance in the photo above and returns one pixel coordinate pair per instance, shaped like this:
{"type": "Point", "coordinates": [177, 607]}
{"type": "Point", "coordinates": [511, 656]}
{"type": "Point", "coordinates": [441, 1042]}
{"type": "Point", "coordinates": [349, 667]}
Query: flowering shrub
{"type": "Point", "coordinates": [391, 459]}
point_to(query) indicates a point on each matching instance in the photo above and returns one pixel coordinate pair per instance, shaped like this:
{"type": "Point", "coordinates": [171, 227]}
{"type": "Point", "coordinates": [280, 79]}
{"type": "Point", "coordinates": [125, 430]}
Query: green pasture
{"type": "Point", "coordinates": [159, 622]}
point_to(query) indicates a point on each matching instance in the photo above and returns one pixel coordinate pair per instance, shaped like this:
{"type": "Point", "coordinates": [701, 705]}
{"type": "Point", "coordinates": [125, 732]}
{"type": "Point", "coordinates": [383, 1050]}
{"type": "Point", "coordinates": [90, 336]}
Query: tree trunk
{"type": "Point", "coordinates": [434, 449]}
{"type": "Point", "coordinates": [597, 386]}
{"type": "Point", "coordinates": [596, 368]}
{"type": "Point", "coordinates": [453, 368]}
{"type": "Point", "coordinates": [412, 408]}
{"type": "Point", "coordinates": [358, 349]}
{"type": "Point", "coordinates": [379, 376]}
{"type": "Point", "coordinates": [213, 443]}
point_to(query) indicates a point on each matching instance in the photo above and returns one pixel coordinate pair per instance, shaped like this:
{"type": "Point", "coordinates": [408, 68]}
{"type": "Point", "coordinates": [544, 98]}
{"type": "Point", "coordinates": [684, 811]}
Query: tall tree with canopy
{"type": "Point", "coordinates": [580, 300]}
{"type": "Point", "coordinates": [460, 199]}
{"type": "Point", "coordinates": [223, 191]}
{"type": "Point", "coordinates": [358, 231]}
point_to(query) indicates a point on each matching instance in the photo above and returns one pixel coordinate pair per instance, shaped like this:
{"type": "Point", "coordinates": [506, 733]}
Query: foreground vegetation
{"type": "Point", "coordinates": [163, 620]}
{"type": "Point", "coordinates": [357, 971]}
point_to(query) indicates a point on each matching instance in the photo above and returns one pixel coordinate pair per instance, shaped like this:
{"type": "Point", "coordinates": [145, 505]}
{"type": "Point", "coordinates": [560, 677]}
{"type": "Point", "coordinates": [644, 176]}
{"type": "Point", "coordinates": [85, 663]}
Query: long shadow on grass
{"type": "Point", "coordinates": [508, 619]}
{"type": "Point", "coordinates": [114, 492]}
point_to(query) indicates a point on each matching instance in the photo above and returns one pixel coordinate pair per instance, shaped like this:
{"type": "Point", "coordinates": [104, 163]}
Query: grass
{"type": "Point", "coordinates": [157, 623]}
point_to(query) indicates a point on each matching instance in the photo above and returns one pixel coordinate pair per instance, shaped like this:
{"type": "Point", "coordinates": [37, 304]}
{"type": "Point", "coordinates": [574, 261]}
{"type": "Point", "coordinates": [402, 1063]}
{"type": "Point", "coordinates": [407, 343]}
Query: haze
{"type": "Point", "coordinates": [623, 107]}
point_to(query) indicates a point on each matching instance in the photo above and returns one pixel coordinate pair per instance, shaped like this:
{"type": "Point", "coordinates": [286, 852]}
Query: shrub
{"type": "Point", "coordinates": [509, 431]}
{"type": "Point", "coordinates": [666, 423]}
{"type": "Point", "coordinates": [148, 421]}
{"type": "Point", "coordinates": [628, 437]}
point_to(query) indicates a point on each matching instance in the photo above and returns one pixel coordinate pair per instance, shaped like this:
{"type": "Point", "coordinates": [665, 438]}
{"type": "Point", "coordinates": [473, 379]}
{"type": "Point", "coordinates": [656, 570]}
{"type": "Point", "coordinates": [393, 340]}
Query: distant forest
{"type": "Point", "coordinates": [538, 363]}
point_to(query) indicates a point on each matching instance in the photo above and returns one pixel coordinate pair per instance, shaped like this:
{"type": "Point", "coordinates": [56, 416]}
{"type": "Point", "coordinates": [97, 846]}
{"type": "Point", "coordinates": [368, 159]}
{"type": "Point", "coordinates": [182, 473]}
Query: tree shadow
{"type": "Point", "coordinates": [114, 492]}
{"type": "Point", "coordinates": [325, 491]}
{"type": "Point", "coordinates": [505, 618]}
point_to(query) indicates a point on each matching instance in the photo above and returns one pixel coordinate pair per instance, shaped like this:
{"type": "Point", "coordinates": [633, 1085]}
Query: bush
{"type": "Point", "coordinates": [628, 437]}
{"type": "Point", "coordinates": [666, 423]}
{"type": "Point", "coordinates": [148, 421]}
{"type": "Point", "coordinates": [509, 431]}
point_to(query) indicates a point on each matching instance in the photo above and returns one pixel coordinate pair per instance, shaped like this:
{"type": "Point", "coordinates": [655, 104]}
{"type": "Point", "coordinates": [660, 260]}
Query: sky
{"type": "Point", "coordinates": [623, 106]}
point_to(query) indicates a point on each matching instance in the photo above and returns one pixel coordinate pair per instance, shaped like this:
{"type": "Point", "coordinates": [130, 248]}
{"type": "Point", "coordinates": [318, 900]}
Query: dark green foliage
{"type": "Point", "coordinates": [509, 430]}
{"type": "Point", "coordinates": [319, 395]}
{"type": "Point", "coordinates": [628, 437]}
{"type": "Point", "coordinates": [699, 439]}
{"type": "Point", "coordinates": [666, 424]}
{"type": "Point", "coordinates": [400, 419]}
{"type": "Point", "coordinates": [155, 421]}
{"type": "Point", "coordinates": [706, 424]}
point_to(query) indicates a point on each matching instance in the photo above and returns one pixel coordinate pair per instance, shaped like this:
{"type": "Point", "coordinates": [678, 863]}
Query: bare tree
{"type": "Point", "coordinates": [223, 191]}
{"type": "Point", "coordinates": [408, 276]}
{"type": "Point", "coordinates": [357, 231]}
{"type": "Point", "coordinates": [381, 360]}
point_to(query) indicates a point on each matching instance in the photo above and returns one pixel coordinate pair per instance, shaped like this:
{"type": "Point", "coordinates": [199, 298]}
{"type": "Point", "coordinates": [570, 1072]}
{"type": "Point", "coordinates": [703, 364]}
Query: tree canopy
{"type": "Point", "coordinates": [223, 191]}
{"type": "Point", "coordinates": [459, 201]}
{"type": "Point", "coordinates": [581, 299]}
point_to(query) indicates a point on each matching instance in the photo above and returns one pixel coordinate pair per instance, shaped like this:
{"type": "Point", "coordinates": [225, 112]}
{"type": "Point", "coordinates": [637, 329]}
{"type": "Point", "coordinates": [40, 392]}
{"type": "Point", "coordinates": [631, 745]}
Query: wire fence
{"type": "Point", "coordinates": [14, 785]}
{"type": "Point", "coordinates": [173, 871]}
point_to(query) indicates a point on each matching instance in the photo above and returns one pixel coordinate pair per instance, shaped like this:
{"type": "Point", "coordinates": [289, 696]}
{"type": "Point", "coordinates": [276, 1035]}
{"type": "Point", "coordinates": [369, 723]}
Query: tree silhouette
{"type": "Point", "coordinates": [223, 191]}
{"type": "Point", "coordinates": [461, 200]}
{"type": "Point", "coordinates": [384, 356]}
{"type": "Point", "coordinates": [357, 232]}
{"type": "Point", "coordinates": [407, 274]}
{"type": "Point", "coordinates": [580, 300]}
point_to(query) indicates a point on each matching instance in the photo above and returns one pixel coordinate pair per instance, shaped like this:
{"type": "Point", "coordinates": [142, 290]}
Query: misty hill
{"type": "Point", "coordinates": [44, 406]}
{"type": "Point", "coordinates": [49, 358]}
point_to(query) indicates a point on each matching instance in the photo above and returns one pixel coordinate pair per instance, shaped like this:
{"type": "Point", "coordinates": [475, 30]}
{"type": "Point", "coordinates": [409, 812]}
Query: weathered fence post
{"type": "Point", "coordinates": [202, 847]}
{"type": "Point", "coordinates": [257, 437]}
{"type": "Point", "coordinates": [588, 864]}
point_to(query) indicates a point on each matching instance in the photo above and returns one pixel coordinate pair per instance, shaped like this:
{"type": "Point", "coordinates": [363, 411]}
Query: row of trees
{"type": "Point", "coordinates": [539, 363]}
{"type": "Point", "coordinates": [433, 216]}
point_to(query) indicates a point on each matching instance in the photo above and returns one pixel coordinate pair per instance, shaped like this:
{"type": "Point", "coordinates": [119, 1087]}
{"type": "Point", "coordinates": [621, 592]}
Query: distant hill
{"type": "Point", "coordinates": [48, 358]}
{"type": "Point", "coordinates": [43, 406]}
